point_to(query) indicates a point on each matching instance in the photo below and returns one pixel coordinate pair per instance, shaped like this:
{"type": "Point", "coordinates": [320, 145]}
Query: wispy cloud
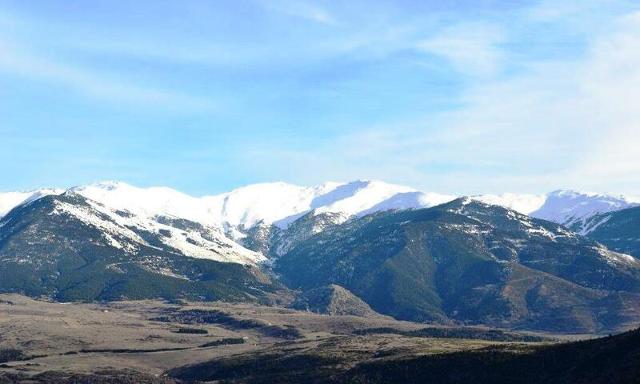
{"type": "Point", "coordinates": [301, 9]}
{"type": "Point", "coordinates": [472, 48]}
{"type": "Point", "coordinates": [609, 89]}
{"type": "Point", "coordinates": [555, 123]}
{"type": "Point", "coordinates": [14, 59]}
{"type": "Point", "coordinates": [435, 96]}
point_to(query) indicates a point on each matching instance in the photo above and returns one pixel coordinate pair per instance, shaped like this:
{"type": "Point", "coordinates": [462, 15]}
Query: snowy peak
{"type": "Point", "coordinates": [281, 203]}
{"type": "Point", "coordinates": [265, 202]}
{"type": "Point", "coordinates": [409, 200]}
{"type": "Point", "coordinates": [353, 198]}
{"type": "Point", "coordinates": [569, 208]}
{"type": "Point", "coordinates": [147, 202]}
{"type": "Point", "coordinates": [129, 232]}
{"type": "Point", "coordinates": [497, 216]}
{"type": "Point", "coordinates": [573, 209]}
{"type": "Point", "coordinates": [130, 218]}
{"type": "Point", "coordinates": [123, 211]}
{"type": "Point", "coordinates": [523, 203]}
{"type": "Point", "coordinates": [10, 200]}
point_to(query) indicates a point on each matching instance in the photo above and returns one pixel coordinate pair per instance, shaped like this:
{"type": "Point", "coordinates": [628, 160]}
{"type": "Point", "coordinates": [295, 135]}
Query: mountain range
{"type": "Point", "coordinates": [563, 261]}
{"type": "Point", "coordinates": [468, 261]}
{"type": "Point", "coordinates": [281, 203]}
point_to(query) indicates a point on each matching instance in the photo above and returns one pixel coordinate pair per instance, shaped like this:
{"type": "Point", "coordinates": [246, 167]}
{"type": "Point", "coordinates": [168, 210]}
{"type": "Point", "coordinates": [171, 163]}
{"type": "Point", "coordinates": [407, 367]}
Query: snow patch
{"type": "Point", "coordinates": [615, 257]}
{"type": "Point", "coordinates": [121, 231]}
{"type": "Point", "coordinates": [10, 200]}
{"type": "Point", "coordinates": [523, 203]}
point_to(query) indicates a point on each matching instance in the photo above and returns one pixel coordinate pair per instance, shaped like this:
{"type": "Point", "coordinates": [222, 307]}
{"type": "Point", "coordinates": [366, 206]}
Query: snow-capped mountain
{"type": "Point", "coordinates": [271, 206]}
{"type": "Point", "coordinates": [523, 203]}
{"type": "Point", "coordinates": [148, 202]}
{"type": "Point", "coordinates": [279, 204]}
{"type": "Point", "coordinates": [268, 203]}
{"type": "Point", "coordinates": [69, 247]}
{"type": "Point", "coordinates": [127, 227]}
{"type": "Point", "coordinates": [213, 227]}
{"type": "Point", "coordinates": [469, 261]}
{"type": "Point", "coordinates": [465, 260]}
{"type": "Point", "coordinates": [570, 208]}
{"type": "Point", "coordinates": [573, 209]}
{"type": "Point", "coordinates": [619, 230]}
{"type": "Point", "coordinates": [9, 200]}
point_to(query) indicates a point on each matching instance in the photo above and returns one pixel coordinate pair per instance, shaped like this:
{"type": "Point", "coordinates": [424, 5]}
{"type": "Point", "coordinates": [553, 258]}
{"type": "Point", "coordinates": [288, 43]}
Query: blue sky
{"type": "Point", "coordinates": [463, 97]}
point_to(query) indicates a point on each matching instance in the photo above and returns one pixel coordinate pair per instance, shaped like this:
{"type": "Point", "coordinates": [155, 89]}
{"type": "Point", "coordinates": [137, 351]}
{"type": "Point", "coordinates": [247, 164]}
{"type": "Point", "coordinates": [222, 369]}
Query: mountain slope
{"type": "Point", "coordinates": [148, 202]}
{"type": "Point", "coordinates": [10, 200]}
{"type": "Point", "coordinates": [70, 248]}
{"type": "Point", "coordinates": [463, 261]}
{"type": "Point", "coordinates": [468, 261]}
{"type": "Point", "coordinates": [607, 360]}
{"type": "Point", "coordinates": [267, 203]}
{"type": "Point", "coordinates": [258, 216]}
{"type": "Point", "coordinates": [573, 209]}
{"type": "Point", "coordinates": [186, 237]}
{"type": "Point", "coordinates": [523, 203]}
{"type": "Point", "coordinates": [619, 231]}
{"type": "Point", "coordinates": [280, 203]}
{"type": "Point", "coordinates": [570, 208]}
{"type": "Point", "coordinates": [332, 300]}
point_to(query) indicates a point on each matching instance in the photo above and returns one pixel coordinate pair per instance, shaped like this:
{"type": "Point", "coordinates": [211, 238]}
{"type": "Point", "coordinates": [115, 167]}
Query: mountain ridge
{"type": "Point", "coordinates": [462, 261]}
{"type": "Point", "coordinates": [469, 261]}
{"type": "Point", "coordinates": [281, 203]}
{"type": "Point", "coordinates": [68, 248]}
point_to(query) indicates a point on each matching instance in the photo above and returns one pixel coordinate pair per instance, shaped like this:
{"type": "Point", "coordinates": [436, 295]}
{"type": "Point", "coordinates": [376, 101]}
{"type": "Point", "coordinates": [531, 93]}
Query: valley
{"type": "Point", "coordinates": [158, 342]}
{"type": "Point", "coordinates": [159, 339]}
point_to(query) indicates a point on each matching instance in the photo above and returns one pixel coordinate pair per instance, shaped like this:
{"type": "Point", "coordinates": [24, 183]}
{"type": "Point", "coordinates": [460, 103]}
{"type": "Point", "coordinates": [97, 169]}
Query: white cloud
{"type": "Point", "coordinates": [610, 85]}
{"type": "Point", "coordinates": [301, 9]}
{"type": "Point", "coordinates": [17, 61]}
{"type": "Point", "coordinates": [472, 48]}
{"type": "Point", "coordinates": [577, 121]}
{"type": "Point", "coordinates": [556, 124]}
{"type": "Point", "coordinates": [553, 10]}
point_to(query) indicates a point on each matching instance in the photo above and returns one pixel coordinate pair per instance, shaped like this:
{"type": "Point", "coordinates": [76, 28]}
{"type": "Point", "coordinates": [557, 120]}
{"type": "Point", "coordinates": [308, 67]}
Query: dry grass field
{"type": "Point", "coordinates": [154, 337]}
